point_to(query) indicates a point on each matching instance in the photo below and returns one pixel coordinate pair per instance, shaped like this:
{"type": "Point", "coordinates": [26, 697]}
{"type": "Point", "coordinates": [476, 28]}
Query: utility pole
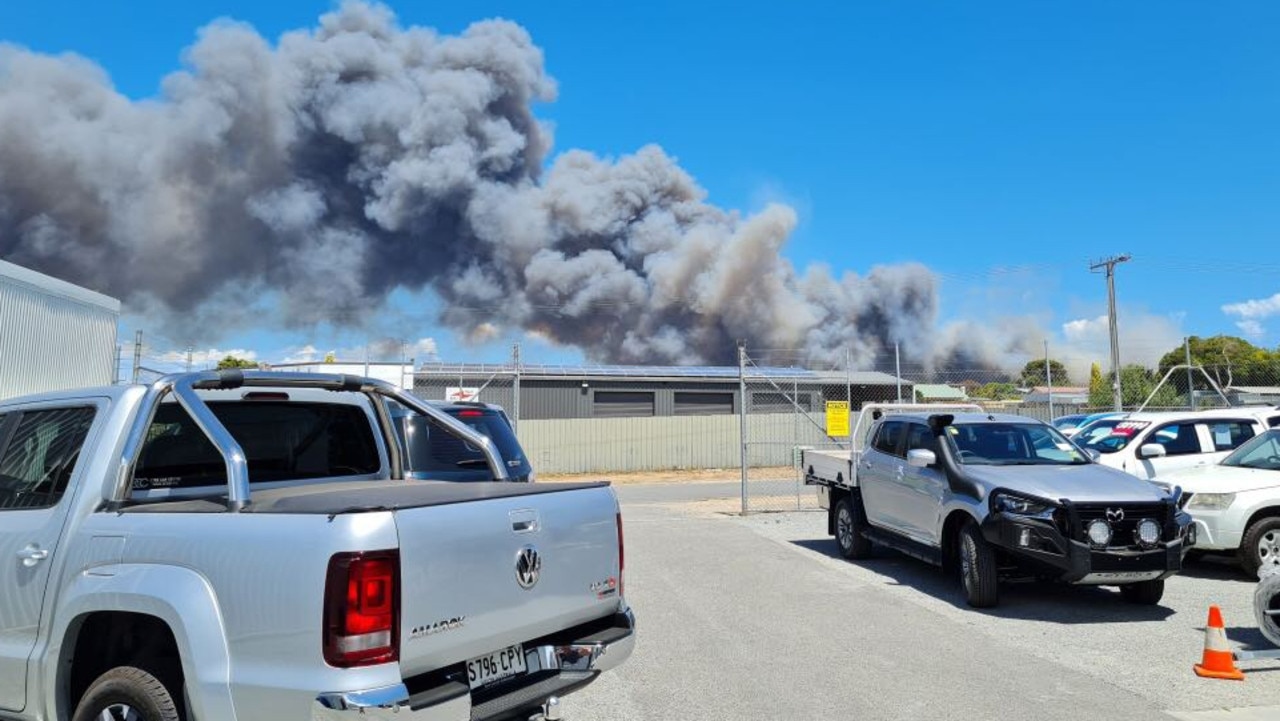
{"type": "Point", "coordinates": [1108, 266]}
{"type": "Point", "coordinates": [848, 377]}
{"type": "Point", "coordinates": [189, 353]}
{"type": "Point", "coordinates": [137, 355]}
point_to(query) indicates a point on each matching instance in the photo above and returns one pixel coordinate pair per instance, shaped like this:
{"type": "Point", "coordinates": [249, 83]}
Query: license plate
{"type": "Point", "coordinates": [496, 666]}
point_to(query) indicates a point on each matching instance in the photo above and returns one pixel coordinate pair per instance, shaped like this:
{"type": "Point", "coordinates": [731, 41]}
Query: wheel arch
{"type": "Point", "coordinates": [150, 597]}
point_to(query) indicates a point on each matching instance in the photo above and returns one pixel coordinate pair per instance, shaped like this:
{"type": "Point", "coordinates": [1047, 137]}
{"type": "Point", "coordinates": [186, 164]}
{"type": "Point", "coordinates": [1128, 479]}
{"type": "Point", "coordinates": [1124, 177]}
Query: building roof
{"type": "Point", "coordinates": [1259, 390]}
{"type": "Point", "coordinates": [49, 285]}
{"type": "Point", "coordinates": [940, 391]}
{"type": "Point", "coordinates": [656, 373]}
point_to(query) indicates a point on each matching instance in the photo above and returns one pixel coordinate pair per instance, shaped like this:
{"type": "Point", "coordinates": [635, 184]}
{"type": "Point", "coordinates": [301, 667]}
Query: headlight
{"type": "Point", "coordinates": [1148, 532]}
{"type": "Point", "coordinates": [1019, 506]}
{"type": "Point", "coordinates": [1099, 532]}
{"type": "Point", "coordinates": [1211, 501]}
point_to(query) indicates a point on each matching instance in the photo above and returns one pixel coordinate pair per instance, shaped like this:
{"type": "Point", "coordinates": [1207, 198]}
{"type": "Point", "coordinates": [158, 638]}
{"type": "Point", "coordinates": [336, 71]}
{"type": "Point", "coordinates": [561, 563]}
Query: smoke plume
{"type": "Point", "coordinates": [359, 157]}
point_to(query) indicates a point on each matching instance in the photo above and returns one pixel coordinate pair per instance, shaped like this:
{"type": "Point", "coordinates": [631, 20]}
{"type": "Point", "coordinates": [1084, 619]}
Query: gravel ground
{"type": "Point", "coordinates": [1146, 650]}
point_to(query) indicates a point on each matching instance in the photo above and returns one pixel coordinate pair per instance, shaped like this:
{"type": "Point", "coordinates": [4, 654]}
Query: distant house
{"type": "Point", "coordinates": [1073, 395]}
{"type": "Point", "coordinates": [933, 393]}
{"type": "Point", "coordinates": [1253, 395]}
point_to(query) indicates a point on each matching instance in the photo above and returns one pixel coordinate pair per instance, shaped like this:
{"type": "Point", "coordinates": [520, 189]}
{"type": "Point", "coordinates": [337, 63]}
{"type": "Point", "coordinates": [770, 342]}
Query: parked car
{"type": "Point", "coordinates": [1150, 444]}
{"type": "Point", "coordinates": [254, 546]}
{"type": "Point", "coordinates": [1236, 503]}
{"type": "Point", "coordinates": [443, 457]}
{"type": "Point", "coordinates": [1086, 422]}
{"type": "Point", "coordinates": [1000, 495]}
{"type": "Point", "coordinates": [1069, 422]}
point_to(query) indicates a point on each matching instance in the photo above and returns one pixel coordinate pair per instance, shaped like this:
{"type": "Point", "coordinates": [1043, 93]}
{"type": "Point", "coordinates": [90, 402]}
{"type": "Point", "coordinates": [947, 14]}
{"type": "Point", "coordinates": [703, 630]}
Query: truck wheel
{"type": "Point", "coordinates": [978, 570]}
{"type": "Point", "coordinates": [126, 693]}
{"type": "Point", "coordinates": [849, 526]}
{"type": "Point", "coordinates": [1144, 593]}
{"type": "Point", "coordinates": [1260, 545]}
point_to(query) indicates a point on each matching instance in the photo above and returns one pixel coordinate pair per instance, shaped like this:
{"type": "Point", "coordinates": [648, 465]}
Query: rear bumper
{"type": "Point", "coordinates": [552, 669]}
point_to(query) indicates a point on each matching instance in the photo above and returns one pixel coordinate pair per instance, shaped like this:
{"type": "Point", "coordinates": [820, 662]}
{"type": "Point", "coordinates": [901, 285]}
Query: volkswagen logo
{"type": "Point", "coordinates": [528, 567]}
{"type": "Point", "coordinates": [1115, 515]}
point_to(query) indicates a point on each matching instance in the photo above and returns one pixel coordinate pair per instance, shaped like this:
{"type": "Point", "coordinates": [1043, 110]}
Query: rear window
{"type": "Point", "coordinates": [282, 440]}
{"type": "Point", "coordinates": [442, 456]}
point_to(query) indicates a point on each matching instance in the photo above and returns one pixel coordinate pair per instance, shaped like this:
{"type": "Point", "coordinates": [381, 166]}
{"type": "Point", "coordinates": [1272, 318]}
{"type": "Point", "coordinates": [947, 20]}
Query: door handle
{"type": "Point", "coordinates": [31, 555]}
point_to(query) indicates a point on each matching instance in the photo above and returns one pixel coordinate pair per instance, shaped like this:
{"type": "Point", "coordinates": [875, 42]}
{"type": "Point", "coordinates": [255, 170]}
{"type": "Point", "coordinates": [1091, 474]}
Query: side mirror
{"type": "Point", "coordinates": [1152, 450]}
{"type": "Point", "coordinates": [921, 458]}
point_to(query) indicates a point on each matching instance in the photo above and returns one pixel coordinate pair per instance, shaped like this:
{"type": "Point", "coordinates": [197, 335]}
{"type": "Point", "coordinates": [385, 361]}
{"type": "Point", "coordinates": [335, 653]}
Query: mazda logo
{"type": "Point", "coordinates": [1115, 515]}
{"type": "Point", "coordinates": [528, 567]}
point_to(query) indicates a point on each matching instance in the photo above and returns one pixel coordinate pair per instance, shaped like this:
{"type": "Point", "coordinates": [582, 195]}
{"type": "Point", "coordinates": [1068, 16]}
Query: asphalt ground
{"type": "Point", "coordinates": [757, 617]}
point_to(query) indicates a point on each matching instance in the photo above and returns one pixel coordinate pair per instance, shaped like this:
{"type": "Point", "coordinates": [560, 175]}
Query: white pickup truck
{"type": "Point", "coordinates": [267, 546]}
{"type": "Point", "coordinates": [829, 469]}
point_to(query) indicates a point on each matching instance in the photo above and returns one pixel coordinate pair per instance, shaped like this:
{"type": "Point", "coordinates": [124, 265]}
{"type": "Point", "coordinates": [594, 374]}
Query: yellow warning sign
{"type": "Point", "coordinates": [837, 418]}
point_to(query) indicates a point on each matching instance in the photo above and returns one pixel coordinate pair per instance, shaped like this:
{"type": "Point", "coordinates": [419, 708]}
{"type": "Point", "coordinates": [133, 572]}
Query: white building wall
{"type": "Point", "coordinates": [53, 335]}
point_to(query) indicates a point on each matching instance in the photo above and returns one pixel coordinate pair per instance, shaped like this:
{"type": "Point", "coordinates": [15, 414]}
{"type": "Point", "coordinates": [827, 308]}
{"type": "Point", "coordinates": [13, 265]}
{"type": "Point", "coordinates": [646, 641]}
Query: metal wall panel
{"type": "Point", "coordinates": [53, 335]}
{"type": "Point", "coordinates": [616, 445]}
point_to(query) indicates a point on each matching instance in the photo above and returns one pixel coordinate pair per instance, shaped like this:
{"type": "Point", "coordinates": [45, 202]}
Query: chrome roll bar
{"type": "Point", "coordinates": [184, 387]}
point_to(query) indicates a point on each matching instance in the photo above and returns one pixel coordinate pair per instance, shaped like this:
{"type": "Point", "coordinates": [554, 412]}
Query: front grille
{"type": "Point", "coordinates": [1123, 531]}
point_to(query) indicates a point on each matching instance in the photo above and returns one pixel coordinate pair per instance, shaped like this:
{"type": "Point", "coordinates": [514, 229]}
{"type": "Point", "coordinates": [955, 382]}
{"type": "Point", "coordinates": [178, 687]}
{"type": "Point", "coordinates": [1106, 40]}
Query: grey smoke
{"type": "Point", "coordinates": [360, 157]}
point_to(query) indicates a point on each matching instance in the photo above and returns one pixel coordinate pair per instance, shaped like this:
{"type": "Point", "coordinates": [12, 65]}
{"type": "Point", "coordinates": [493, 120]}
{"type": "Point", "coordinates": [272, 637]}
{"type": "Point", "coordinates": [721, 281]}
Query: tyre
{"type": "Point", "coordinates": [978, 572]}
{"type": "Point", "coordinates": [126, 693]}
{"type": "Point", "coordinates": [1143, 593]}
{"type": "Point", "coordinates": [849, 524]}
{"type": "Point", "coordinates": [1260, 545]}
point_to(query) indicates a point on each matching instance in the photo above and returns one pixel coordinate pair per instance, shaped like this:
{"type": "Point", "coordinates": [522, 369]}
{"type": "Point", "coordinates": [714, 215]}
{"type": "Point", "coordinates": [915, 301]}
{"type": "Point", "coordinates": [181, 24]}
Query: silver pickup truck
{"type": "Point", "coordinates": [262, 546]}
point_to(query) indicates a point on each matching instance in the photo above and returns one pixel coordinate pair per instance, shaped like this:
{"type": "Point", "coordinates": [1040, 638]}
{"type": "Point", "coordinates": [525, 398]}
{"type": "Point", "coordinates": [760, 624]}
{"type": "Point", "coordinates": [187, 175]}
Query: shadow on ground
{"type": "Point", "coordinates": [1034, 601]}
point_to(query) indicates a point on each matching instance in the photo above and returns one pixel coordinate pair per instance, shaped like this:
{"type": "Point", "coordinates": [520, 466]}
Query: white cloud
{"type": "Point", "coordinates": [1144, 338]}
{"type": "Point", "coordinates": [1260, 308]}
{"type": "Point", "coordinates": [1251, 328]}
{"type": "Point", "coordinates": [306, 354]}
{"type": "Point", "coordinates": [483, 333]}
{"type": "Point", "coordinates": [202, 358]}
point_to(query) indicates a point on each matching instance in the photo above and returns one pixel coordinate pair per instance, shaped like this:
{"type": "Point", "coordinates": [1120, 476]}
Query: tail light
{"type": "Point", "coordinates": [362, 609]}
{"type": "Point", "coordinates": [621, 561]}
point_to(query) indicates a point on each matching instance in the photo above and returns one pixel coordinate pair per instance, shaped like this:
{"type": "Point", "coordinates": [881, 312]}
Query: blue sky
{"type": "Point", "coordinates": [1003, 144]}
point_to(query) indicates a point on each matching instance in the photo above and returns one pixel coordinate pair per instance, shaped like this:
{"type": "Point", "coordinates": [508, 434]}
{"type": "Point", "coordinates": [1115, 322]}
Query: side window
{"type": "Point", "coordinates": [1273, 422]}
{"type": "Point", "coordinates": [1229, 435]}
{"type": "Point", "coordinates": [888, 437]}
{"type": "Point", "coordinates": [919, 436]}
{"type": "Point", "coordinates": [1178, 439]}
{"type": "Point", "coordinates": [41, 455]}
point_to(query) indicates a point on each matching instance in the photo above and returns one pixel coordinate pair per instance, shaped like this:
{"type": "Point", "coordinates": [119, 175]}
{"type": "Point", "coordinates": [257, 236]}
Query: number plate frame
{"type": "Point", "coordinates": [500, 665]}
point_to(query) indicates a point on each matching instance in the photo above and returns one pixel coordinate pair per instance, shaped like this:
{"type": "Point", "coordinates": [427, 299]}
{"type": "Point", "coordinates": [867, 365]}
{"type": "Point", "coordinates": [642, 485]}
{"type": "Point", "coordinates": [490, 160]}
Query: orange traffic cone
{"type": "Point", "coordinates": [1218, 661]}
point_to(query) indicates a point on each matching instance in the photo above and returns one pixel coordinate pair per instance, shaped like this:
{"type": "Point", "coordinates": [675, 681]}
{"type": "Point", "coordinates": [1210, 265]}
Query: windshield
{"type": "Point", "coordinates": [1109, 435]}
{"type": "Point", "coordinates": [1012, 444]}
{"type": "Point", "coordinates": [1259, 452]}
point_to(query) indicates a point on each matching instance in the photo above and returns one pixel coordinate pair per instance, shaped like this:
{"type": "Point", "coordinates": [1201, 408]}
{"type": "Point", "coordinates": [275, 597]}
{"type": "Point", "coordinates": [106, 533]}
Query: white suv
{"type": "Point", "coordinates": [1153, 444]}
{"type": "Point", "coordinates": [1236, 503]}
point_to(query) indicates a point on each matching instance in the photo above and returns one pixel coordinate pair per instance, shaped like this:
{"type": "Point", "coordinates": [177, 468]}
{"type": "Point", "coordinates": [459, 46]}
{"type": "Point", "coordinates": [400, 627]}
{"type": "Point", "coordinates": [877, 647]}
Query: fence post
{"type": "Point", "coordinates": [515, 403]}
{"type": "Point", "coordinates": [137, 355]}
{"type": "Point", "coordinates": [742, 416]}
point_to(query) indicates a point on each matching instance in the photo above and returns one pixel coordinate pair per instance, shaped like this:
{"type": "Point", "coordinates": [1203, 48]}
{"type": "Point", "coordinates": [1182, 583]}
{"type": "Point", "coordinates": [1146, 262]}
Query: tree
{"type": "Point", "coordinates": [330, 357]}
{"type": "Point", "coordinates": [1097, 385]}
{"type": "Point", "coordinates": [1136, 384]}
{"type": "Point", "coordinates": [1227, 359]}
{"type": "Point", "coordinates": [234, 362]}
{"type": "Point", "coordinates": [1033, 374]}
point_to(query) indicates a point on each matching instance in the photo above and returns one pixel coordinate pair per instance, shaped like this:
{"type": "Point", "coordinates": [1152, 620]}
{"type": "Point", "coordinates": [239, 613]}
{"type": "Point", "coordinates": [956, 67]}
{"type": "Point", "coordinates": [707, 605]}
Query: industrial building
{"type": "Point", "coordinates": [53, 334]}
{"type": "Point", "coordinates": [555, 392]}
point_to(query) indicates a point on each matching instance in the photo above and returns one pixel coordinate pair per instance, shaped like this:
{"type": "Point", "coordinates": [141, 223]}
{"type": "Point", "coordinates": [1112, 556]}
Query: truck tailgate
{"type": "Point", "coordinates": [467, 589]}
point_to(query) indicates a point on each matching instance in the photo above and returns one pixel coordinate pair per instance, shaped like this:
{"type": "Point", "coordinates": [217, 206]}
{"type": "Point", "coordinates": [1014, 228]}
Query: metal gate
{"type": "Point", "coordinates": [782, 411]}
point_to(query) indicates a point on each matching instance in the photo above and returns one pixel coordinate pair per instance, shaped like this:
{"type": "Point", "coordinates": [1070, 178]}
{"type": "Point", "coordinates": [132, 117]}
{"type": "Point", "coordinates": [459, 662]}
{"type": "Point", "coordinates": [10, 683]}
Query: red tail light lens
{"type": "Point", "coordinates": [470, 414]}
{"type": "Point", "coordinates": [621, 560]}
{"type": "Point", "coordinates": [362, 609]}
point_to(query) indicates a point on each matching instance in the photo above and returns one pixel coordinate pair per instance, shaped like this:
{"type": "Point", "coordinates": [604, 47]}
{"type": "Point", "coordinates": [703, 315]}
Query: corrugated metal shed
{"type": "Point", "coordinates": [53, 334]}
